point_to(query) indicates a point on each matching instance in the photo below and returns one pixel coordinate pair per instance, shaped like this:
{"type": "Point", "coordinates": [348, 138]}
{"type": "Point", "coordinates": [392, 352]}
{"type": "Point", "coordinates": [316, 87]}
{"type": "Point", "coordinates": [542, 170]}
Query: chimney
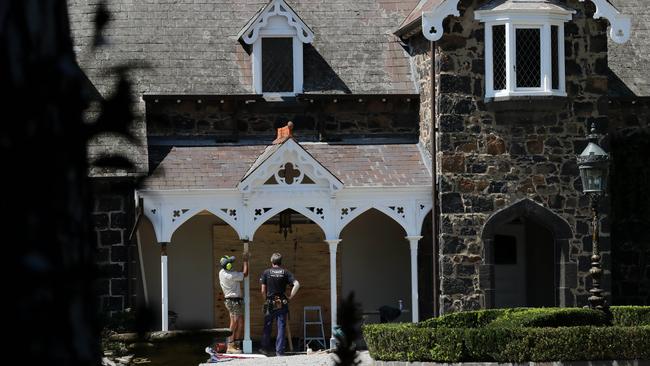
{"type": "Point", "coordinates": [284, 133]}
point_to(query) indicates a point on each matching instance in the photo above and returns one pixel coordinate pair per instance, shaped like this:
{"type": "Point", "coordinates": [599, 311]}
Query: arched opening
{"type": "Point", "coordinates": [305, 253]}
{"type": "Point", "coordinates": [191, 271]}
{"type": "Point", "coordinates": [376, 264]}
{"type": "Point", "coordinates": [526, 258]}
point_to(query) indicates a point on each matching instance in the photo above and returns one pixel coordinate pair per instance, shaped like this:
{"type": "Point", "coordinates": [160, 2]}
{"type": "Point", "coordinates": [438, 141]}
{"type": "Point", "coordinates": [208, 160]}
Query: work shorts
{"type": "Point", "coordinates": [235, 306]}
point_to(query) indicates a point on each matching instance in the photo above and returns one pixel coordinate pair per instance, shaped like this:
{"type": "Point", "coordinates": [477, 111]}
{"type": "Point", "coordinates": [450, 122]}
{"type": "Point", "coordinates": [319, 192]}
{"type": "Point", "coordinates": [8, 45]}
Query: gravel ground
{"type": "Point", "coordinates": [318, 359]}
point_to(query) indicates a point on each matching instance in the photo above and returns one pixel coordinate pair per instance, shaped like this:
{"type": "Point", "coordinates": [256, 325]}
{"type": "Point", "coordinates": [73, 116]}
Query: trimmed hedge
{"type": "Point", "coordinates": [629, 316]}
{"type": "Point", "coordinates": [516, 335]}
{"type": "Point", "coordinates": [553, 317]}
{"type": "Point", "coordinates": [398, 342]}
{"type": "Point", "coordinates": [520, 317]}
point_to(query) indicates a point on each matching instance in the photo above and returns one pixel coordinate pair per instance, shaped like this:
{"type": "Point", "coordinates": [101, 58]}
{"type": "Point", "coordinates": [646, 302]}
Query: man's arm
{"type": "Point", "coordinates": [263, 287]}
{"type": "Point", "coordinates": [294, 289]}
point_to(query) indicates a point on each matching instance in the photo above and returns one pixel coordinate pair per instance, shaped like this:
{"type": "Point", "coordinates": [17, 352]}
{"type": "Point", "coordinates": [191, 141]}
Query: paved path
{"type": "Point", "coordinates": [319, 359]}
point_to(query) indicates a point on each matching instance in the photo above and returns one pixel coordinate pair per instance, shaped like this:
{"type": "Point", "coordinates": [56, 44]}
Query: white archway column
{"type": "Point", "coordinates": [248, 343]}
{"type": "Point", "coordinates": [333, 301]}
{"type": "Point", "coordinates": [164, 282]}
{"type": "Point", "coordinates": [415, 311]}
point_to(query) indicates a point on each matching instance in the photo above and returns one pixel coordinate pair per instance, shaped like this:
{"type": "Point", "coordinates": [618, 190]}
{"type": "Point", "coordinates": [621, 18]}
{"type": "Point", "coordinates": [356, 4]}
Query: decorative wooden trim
{"type": "Point", "coordinates": [620, 24]}
{"type": "Point", "coordinates": [432, 20]}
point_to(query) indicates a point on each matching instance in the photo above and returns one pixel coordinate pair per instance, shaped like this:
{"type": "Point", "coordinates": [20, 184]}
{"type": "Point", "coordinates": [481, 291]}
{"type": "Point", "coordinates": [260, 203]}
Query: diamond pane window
{"type": "Point", "coordinates": [277, 65]}
{"type": "Point", "coordinates": [555, 72]}
{"type": "Point", "coordinates": [528, 64]}
{"type": "Point", "coordinates": [499, 52]}
{"type": "Point", "coordinates": [524, 47]}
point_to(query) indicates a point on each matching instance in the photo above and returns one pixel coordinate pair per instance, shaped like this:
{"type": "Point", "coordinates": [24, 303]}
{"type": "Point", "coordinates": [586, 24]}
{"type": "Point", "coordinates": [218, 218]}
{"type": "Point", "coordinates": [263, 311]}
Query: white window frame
{"type": "Point", "coordinates": [297, 62]}
{"type": "Point", "coordinates": [266, 25]}
{"type": "Point", "coordinates": [515, 21]}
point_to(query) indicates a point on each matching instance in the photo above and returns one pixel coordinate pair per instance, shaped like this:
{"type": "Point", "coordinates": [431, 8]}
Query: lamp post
{"type": "Point", "coordinates": [593, 166]}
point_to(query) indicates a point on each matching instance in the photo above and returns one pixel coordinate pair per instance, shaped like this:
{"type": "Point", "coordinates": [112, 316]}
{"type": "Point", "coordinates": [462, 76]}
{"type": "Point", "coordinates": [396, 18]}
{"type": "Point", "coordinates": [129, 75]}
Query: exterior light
{"type": "Point", "coordinates": [593, 173]}
{"type": "Point", "coordinates": [285, 223]}
{"type": "Point", "coordinates": [593, 166]}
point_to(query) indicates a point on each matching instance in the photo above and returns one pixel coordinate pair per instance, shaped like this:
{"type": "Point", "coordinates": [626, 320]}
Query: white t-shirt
{"type": "Point", "coordinates": [230, 283]}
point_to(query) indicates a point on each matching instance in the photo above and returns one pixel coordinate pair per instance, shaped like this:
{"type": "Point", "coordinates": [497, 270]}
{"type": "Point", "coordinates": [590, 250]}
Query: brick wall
{"type": "Point", "coordinates": [112, 221]}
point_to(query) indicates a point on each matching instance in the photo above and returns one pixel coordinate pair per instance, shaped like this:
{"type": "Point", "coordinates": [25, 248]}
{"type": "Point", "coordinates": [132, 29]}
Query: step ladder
{"type": "Point", "coordinates": [312, 316]}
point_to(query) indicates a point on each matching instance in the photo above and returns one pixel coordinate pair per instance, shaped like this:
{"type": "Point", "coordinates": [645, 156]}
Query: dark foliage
{"type": "Point", "coordinates": [46, 203]}
{"type": "Point", "coordinates": [349, 320]}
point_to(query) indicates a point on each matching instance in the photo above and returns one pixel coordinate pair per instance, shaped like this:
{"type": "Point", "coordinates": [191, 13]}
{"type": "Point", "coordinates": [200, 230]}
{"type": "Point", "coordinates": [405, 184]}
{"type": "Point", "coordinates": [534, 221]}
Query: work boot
{"type": "Point", "coordinates": [232, 349]}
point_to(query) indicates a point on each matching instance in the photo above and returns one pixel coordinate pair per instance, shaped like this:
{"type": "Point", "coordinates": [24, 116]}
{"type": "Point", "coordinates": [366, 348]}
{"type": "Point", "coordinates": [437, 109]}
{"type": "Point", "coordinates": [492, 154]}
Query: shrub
{"type": "Point", "coordinates": [627, 316]}
{"type": "Point", "coordinates": [468, 319]}
{"type": "Point", "coordinates": [552, 317]}
{"type": "Point", "coordinates": [409, 343]}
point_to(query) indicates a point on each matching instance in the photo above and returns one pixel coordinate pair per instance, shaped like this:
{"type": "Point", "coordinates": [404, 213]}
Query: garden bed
{"type": "Point", "coordinates": [516, 335]}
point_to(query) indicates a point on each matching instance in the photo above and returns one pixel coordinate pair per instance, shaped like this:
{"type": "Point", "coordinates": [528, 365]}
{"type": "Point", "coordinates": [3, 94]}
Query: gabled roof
{"type": "Point", "coordinates": [267, 163]}
{"type": "Point", "coordinates": [250, 32]}
{"type": "Point", "coordinates": [222, 167]}
{"type": "Point", "coordinates": [193, 48]}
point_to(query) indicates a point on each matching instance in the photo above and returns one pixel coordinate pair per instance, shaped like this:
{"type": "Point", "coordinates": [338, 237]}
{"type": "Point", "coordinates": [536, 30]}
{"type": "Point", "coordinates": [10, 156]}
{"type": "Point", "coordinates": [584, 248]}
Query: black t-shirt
{"type": "Point", "coordinates": [276, 281]}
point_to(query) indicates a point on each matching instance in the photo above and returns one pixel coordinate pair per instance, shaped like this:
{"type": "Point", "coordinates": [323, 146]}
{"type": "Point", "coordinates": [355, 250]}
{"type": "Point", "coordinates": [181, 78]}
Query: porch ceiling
{"type": "Point", "coordinates": [218, 167]}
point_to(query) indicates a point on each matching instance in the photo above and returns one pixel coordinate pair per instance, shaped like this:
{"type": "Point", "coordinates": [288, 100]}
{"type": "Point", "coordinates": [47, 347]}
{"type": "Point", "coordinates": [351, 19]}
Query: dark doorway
{"type": "Point", "coordinates": [524, 265]}
{"type": "Point", "coordinates": [523, 246]}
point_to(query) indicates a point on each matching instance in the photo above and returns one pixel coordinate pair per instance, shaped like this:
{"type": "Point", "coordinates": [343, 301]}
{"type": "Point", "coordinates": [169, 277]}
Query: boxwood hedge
{"type": "Point", "coordinates": [515, 335]}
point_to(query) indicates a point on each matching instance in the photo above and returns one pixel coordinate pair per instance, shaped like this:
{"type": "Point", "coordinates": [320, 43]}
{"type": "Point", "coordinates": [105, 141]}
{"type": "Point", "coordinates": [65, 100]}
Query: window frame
{"type": "Point", "coordinates": [275, 32]}
{"type": "Point", "coordinates": [515, 21]}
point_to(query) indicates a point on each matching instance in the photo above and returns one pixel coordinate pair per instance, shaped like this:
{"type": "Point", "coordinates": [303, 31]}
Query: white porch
{"type": "Point", "coordinates": [287, 176]}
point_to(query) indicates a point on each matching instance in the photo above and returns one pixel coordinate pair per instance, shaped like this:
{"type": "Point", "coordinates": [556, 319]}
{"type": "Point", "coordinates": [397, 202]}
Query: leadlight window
{"type": "Point", "coordinates": [555, 72]}
{"type": "Point", "coordinates": [524, 48]}
{"type": "Point", "coordinates": [277, 65]}
{"type": "Point", "coordinates": [528, 67]}
{"type": "Point", "coordinates": [499, 52]}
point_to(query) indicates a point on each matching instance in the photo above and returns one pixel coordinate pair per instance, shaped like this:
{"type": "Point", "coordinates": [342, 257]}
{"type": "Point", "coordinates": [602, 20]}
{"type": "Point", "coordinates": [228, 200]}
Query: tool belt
{"type": "Point", "coordinates": [275, 303]}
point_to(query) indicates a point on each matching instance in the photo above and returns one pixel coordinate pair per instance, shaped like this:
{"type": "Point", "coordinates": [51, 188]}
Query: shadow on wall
{"type": "Point", "coordinates": [319, 75]}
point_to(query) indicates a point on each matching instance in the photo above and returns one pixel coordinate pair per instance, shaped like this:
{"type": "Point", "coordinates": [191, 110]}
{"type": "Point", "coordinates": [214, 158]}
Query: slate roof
{"type": "Point", "coordinates": [630, 61]}
{"type": "Point", "coordinates": [192, 47]}
{"type": "Point", "coordinates": [355, 165]}
{"type": "Point", "coordinates": [412, 21]}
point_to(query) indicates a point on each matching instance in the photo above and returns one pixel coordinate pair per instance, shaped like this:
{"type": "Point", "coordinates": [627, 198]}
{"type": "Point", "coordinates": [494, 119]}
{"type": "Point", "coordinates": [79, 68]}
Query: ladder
{"type": "Point", "coordinates": [315, 320]}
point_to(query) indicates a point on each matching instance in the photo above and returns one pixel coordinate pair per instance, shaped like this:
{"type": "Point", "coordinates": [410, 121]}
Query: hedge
{"type": "Point", "coordinates": [517, 335]}
{"type": "Point", "coordinates": [521, 317]}
{"type": "Point", "coordinates": [627, 316]}
{"type": "Point", "coordinates": [398, 342]}
{"type": "Point", "coordinates": [552, 317]}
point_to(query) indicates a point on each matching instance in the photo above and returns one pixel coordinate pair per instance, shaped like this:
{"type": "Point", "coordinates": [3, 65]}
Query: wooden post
{"type": "Point", "coordinates": [415, 309]}
{"type": "Point", "coordinates": [333, 303]}
{"type": "Point", "coordinates": [164, 294]}
{"type": "Point", "coordinates": [248, 343]}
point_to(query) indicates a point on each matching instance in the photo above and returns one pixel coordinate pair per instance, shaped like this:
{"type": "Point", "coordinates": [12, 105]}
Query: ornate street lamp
{"type": "Point", "coordinates": [593, 165]}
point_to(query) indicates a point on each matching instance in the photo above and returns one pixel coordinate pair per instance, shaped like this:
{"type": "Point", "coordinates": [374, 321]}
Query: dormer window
{"type": "Point", "coordinates": [277, 36]}
{"type": "Point", "coordinates": [524, 47]}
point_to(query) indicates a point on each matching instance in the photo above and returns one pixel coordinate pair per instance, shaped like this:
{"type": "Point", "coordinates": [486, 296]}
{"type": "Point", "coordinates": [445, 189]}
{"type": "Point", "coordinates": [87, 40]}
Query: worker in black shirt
{"type": "Point", "coordinates": [274, 282]}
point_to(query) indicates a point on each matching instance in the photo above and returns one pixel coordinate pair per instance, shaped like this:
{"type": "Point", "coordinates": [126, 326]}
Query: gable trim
{"type": "Point", "coordinates": [251, 31]}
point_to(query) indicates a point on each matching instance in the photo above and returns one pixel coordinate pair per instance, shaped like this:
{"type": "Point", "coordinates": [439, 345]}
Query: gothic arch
{"type": "Point", "coordinates": [565, 270]}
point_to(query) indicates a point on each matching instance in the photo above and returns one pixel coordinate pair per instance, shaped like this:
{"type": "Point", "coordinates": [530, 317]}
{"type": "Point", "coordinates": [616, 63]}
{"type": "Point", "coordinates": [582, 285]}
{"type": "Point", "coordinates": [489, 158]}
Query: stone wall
{"type": "Point", "coordinates": [329, 118]}
{"type": "Point", "coordinates": [112, 220]}
{"type": "Point", "coordinates": [629, 179]}
{"type": "Point", "coordinates": [494, 154]}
